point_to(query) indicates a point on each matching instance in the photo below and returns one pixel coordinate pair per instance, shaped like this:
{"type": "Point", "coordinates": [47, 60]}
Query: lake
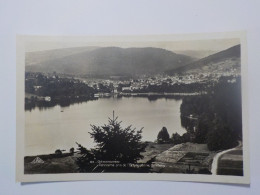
{"type": "Point", "coordinates": [60, 127]}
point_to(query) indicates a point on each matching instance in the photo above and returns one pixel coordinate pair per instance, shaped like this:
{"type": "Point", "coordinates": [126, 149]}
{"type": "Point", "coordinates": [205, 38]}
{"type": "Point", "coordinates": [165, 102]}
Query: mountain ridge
{"type": "Point", "coordinates": [199, 54]}
{"type": "Point", "coordinates": [35, 57]}
{"type": "Point", "coordinates": [113, 60]}
{"type": "Point", "coordinates": [229, 57]}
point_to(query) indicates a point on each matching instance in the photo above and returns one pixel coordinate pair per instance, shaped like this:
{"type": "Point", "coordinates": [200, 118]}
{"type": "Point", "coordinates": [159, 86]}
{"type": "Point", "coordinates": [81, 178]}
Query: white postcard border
{"type": "Point", "coordinates": [20, 115]}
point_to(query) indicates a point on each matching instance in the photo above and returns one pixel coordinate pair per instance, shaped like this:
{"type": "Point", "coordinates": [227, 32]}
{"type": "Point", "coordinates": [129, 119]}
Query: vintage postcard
{"type": "Point", "coordinates": [161, 107]}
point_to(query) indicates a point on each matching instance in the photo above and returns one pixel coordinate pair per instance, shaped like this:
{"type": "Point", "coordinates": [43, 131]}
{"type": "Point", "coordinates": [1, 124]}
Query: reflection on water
{"type": "Point", "coordinates": [60, 127]}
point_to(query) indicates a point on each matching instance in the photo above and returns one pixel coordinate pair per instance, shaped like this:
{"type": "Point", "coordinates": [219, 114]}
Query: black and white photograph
{"type": "Point", "coordinates": [150, 107]}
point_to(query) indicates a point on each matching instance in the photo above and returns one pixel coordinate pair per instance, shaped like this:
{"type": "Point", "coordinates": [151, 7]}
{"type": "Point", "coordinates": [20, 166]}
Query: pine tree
{"type": "Point", "coordinates": [117, 143]}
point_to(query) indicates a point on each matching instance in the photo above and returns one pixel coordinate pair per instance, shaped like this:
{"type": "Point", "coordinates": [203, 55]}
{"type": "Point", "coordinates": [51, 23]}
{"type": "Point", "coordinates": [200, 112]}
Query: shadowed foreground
{"type": "Point", "coordinates": [162, 158]}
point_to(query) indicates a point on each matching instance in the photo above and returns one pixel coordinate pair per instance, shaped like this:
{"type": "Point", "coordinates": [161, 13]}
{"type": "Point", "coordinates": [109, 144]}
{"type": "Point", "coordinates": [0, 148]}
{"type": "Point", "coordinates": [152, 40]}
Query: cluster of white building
{"type": "Point", "coordinates": [144, 81]}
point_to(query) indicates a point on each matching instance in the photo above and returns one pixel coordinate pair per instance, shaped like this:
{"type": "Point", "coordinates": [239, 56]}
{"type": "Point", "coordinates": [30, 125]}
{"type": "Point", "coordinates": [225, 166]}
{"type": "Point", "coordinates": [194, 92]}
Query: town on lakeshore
{"type": "Point", "coordinates": [38, 86]}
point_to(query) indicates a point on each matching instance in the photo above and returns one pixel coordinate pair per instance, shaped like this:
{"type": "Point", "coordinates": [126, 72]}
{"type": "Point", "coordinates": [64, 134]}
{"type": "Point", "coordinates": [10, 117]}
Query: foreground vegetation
{"type": "Point", "coordinates": [157, 158]}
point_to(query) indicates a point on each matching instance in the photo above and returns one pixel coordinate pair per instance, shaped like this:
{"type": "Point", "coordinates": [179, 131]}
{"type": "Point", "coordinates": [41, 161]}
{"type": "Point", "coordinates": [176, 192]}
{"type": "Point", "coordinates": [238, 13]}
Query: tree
{"type": "Point", "coordinates": [221, 137]}
{"type": "Point", "coordinates": [186, 137]}
{"type": "Point", "coordinates": [117, 144]}
{"type": "Point", "coordinates": [219, 112]}
{"type": "Point", "coordinates": [202, 129]}
{"type": "Point", "coordinates": [176, 138]}
{"type": "Point", "coordinates": [163, 136]}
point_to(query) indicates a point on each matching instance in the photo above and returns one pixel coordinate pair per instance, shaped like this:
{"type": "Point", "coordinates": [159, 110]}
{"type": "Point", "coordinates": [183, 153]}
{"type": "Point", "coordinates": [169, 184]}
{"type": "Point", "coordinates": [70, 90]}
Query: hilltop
{"type": "Point", "coordinates": [224, 61]}
{"type": "Point", "coordinates": [106, 61]}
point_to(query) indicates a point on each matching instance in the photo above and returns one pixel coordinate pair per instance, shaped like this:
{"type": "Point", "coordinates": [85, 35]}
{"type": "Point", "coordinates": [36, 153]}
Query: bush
{"type": "Point", "coordinates": [58, 152]}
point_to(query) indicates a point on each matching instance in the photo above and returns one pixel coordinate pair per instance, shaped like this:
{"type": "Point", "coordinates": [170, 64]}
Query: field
{"type": "Point", "coordinates": [184, 158]}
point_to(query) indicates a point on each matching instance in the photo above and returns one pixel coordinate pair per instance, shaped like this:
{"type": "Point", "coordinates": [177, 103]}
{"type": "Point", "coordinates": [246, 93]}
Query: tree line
{"type": "Point", "coordinates": [62, 91]}
{"type": "Point", "coordinates": [214, 119]}
{"type": "Point", "coordinates": [219, 115]}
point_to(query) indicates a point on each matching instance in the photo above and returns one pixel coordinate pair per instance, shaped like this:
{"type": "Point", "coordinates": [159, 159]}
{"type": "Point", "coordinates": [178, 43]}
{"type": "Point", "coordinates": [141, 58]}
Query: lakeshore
{"type": "Point", "coordinates": [32, 101]}
{"type": "Point", "coordinates": [68, 125]}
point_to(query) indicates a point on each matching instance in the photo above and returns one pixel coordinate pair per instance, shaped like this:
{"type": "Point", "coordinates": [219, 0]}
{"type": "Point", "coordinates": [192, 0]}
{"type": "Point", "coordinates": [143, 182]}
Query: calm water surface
{"type": "Point", "coordinates": [49, 129]}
